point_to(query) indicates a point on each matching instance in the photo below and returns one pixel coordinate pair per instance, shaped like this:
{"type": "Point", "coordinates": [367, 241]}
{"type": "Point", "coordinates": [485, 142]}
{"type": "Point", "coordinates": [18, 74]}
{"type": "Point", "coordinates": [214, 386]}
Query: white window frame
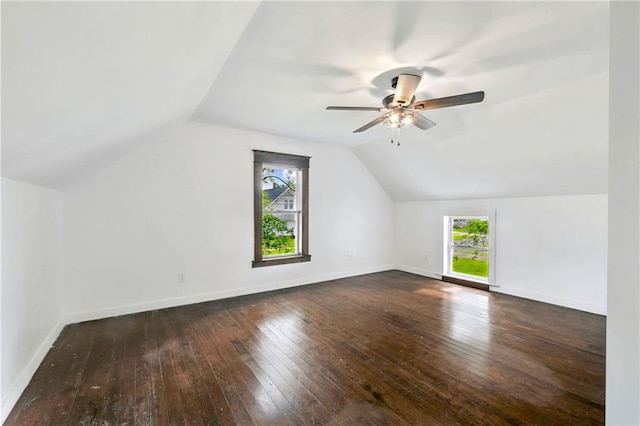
{"type": "Point", "coordinates": [448, 248]}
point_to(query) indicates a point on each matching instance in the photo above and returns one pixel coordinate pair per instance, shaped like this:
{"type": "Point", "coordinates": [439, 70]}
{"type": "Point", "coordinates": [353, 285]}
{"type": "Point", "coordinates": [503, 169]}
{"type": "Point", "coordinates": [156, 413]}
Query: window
{"type": "Point", "coordinates": [467, 247]}
{"type": "Point", "coordinates": [288, 203]}
{"type": "Point", "coordinates": [281, 209]}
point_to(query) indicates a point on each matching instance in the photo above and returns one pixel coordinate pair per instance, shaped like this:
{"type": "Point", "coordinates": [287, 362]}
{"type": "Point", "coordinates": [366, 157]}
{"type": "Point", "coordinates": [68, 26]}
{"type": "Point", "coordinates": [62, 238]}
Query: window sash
{"type": "Point", "coordinates": [262, 158]}
{"type": "Point", "coordinates": [452, 246]}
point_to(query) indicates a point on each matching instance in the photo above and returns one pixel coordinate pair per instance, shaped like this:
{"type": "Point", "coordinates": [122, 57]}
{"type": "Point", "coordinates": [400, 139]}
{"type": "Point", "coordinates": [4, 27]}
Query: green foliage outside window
{"type": "Point", "coordinates": [277, 238]}
{"type": "Point", "coordinates": [477, 267]}
{"type": "Point", "coordinates": [468, 235]}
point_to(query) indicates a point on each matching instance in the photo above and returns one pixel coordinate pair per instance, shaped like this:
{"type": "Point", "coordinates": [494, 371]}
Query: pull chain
{"type": "Point", "coordinates": [397, 137]}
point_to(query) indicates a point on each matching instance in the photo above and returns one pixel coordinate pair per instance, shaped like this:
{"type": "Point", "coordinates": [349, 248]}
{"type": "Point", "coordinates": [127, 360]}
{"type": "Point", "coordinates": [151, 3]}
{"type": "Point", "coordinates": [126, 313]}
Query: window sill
{"type": "Point", "coordinates": [466, 282]}
{"type": "Point", "coordinates": [280, 261]}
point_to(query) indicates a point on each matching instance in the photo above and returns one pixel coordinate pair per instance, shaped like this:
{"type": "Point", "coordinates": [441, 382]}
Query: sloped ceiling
{"type": "Point", "coordinates": [82, 79]}
{"type": "Point", "coordinates": [85, 78]}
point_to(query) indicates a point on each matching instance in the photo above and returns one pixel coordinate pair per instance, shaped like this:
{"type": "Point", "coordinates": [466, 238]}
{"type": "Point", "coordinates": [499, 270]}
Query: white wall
{"type": "Point", "coordinates": [551, 249]}
{"type": "Point", "coordinates": [623, 321]}
{"type": "Point", "coordinates": [183, 203]}
{"type": "Point", "coordinates": [32, 275]}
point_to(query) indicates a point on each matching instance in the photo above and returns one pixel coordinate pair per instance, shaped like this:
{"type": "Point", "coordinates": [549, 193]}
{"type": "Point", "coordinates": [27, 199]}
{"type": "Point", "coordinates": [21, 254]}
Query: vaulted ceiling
{"type": "Point", "coordinates": [82, 80]}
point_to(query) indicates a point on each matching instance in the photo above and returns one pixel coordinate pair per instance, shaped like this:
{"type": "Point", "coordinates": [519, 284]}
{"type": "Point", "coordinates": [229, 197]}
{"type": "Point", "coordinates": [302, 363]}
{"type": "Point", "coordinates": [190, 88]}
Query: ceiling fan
{"type": "Point", "coordinates": [401, 109]}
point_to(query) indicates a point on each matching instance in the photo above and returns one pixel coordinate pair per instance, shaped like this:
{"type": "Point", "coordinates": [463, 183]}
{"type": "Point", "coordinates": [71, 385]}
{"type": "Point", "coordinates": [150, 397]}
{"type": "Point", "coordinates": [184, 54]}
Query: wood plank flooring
{"type": "Point", "coordinates": [387, 348]}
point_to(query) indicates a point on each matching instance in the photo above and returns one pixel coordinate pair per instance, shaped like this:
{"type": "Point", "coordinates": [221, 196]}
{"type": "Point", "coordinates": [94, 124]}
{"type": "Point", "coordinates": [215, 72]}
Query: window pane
{"type": "Point", "coordinates": [279, 221]}
{"type": "Point", "coordinates": [470, 261]}
{"type": "Point", "coordinates": [469, 249]}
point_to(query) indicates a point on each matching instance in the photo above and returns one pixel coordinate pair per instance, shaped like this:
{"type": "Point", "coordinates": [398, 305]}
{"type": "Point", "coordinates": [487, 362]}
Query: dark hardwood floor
{"type": "Point", "coordinates": [387, 348]}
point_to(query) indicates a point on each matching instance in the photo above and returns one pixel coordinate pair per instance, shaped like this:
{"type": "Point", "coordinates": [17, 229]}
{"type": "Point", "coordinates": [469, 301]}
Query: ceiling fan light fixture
{"type": "Point", "coordinates": [392, 120]}
{"type": "Point", "coordinates": [403, 118]}
{"type": "Point", "coordinates": [407, 118]}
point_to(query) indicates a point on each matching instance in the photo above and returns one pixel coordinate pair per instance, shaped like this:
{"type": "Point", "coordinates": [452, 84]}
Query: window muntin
{"type": "Point", "coordinates": [281, 187]}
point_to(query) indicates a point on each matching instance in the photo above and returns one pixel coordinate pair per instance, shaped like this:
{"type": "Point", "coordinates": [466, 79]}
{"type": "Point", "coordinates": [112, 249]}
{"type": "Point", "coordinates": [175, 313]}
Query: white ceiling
{"type": "Point", "coordinates": [81, 79]}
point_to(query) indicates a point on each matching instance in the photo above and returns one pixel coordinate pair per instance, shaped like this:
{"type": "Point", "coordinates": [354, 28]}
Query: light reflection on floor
{"type": "Point", "coordinates": [476, 323]}
{"type": "Point", "coordinates": [470, 324]}
{"type": "Point", "coordinates": [281, 332]}
{"type": "Point", "coordinates": [465, 324]}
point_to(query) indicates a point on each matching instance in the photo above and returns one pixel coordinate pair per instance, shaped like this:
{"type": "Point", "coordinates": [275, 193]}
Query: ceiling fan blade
{"type": "Point", "coordinates": [371, 124]}
{"type": "Point", "coordinates": [423, 122]}
{"type": "Point", "coordinates": [406, 88]}
{"type": "Point", "coordinates": [467, 98]}
{"type": "Point", "coordinates": [352, 108]}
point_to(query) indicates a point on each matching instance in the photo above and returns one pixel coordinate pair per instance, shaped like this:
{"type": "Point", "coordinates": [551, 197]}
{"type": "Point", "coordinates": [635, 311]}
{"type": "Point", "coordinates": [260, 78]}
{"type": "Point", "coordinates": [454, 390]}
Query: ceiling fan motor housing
{"type": "Point", "coordinates": [387, 102]}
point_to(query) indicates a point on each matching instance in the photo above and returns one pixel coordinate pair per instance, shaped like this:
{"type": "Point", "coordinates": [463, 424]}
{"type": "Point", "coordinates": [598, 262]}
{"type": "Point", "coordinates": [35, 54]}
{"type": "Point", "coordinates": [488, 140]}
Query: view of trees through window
{"type": "Point", "coordinates": [469, 246]}
{"type": "Point", "coordinates": [280, 216]}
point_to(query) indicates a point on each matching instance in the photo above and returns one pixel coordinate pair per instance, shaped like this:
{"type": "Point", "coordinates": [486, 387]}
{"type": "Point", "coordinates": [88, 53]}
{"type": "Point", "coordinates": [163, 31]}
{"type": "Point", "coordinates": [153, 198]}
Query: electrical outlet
{"type": "Point", "coordinates": [181, 278]}
{"type": "Point", "coordinates": [349, 257]}
{"type": "Point", "coordinates": [425, 258]}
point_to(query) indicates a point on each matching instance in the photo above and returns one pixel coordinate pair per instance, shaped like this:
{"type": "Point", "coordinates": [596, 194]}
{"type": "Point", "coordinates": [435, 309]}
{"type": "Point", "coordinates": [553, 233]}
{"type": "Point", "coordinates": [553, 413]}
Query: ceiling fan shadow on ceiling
{"type": "Point", "coordinates": [401, 109]}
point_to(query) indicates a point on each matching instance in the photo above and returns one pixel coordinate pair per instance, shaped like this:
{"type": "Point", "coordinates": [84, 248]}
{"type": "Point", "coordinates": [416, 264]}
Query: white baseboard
{"type": "Point", "coordinates": [12, 396]}
{"type": "Point", "coordinates": [541, 297]}
{"type": "Point", "coordinates": [75, 317]}
{"type": "Point", "coordinates": [418, 271]}
{"type": "Point", "coordinates": [526, 294]}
